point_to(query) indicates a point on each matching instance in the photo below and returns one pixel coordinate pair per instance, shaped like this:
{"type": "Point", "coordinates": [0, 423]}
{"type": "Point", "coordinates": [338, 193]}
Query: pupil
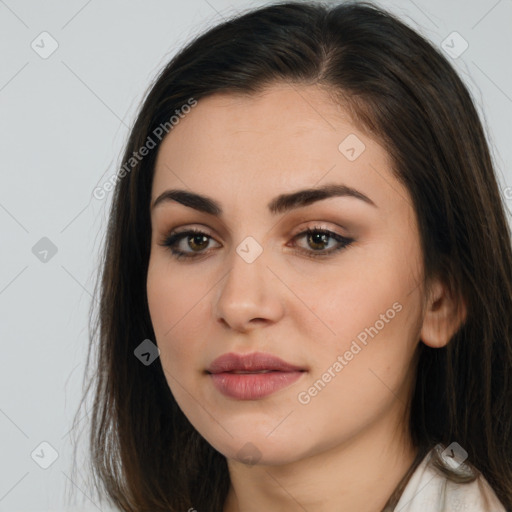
{"type": "Point", "coordinates": [320, 236]}
{"type": "Point", "coordinates": [195, 238]}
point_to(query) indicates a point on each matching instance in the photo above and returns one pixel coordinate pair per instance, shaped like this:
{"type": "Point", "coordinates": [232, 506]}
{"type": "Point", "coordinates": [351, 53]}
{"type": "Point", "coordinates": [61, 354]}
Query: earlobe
{"type": "Point", "coordinates": [444, 314]}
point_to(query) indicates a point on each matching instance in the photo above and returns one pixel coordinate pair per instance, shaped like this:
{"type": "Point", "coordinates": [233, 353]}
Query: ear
{"type": "Point", "coordinates": [444, 314]}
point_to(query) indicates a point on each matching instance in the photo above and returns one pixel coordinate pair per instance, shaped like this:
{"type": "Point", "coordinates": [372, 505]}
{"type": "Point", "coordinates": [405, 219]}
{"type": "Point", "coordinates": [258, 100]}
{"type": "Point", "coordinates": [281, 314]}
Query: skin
{"type": "Point", "coordinates": [348, 447]}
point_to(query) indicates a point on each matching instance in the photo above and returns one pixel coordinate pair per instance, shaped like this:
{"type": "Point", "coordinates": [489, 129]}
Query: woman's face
{"type": "Point", "coordinates": [347, 320]}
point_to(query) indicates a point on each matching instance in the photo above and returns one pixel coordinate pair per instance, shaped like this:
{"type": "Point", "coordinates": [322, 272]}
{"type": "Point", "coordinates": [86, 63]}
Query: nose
{"type": "Point", "coordinates": [250, 295]}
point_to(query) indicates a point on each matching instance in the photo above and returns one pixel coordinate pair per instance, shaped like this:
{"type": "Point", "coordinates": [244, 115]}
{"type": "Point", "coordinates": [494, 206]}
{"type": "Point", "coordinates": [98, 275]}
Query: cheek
{"type": "Point", "coordinates": [172, 293]}
{"type": "Point", "coordinates": [363, 371]}
{"type": "Point", "coordinates": [379, 334]}
{"type": "Point", "coordinates": [173, 302]}
{"type": "Point", "coordinates": [359, 298]}
{"type": "Point", "coordinates": [373, 313]}
{"type": "Point", "coordinates": [175, 306]}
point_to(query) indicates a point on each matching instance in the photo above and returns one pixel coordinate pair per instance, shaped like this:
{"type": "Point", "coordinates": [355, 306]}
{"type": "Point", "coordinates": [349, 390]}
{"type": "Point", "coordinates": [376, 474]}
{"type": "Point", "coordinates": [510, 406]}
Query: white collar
{"type": "Point", "coordinates": [429, 490]}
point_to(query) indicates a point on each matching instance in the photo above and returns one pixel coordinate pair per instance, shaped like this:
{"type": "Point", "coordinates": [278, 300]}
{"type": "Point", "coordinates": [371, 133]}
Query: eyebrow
{"type": "Point", "coordinates": [280, 204]}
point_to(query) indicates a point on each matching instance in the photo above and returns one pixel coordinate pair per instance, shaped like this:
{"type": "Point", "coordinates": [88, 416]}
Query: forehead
{"type": "Point", "coordinates": [285, 138]}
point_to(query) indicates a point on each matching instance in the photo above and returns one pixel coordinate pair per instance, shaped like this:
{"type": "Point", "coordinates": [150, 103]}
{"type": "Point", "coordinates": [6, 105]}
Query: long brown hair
{"type": "Point", "coordinates": [145, 453]}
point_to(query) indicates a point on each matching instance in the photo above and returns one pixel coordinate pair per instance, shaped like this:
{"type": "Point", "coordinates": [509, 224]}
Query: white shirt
{"type": "Point", "coordinates": [429, 490]}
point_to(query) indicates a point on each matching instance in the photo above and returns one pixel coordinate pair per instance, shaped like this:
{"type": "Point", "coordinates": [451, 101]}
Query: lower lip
{"type": "Point", "coordinates": [251, 386]}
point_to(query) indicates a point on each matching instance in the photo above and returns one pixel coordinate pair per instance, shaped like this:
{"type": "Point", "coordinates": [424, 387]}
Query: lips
{"type": "Point", "coordinates": [256, 362]}
{"type": "Point", "coordinates": [252, 376]}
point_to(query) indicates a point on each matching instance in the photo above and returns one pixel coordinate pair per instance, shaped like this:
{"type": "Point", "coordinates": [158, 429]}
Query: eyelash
{"type": "Point", "coordinates": [174, 238]}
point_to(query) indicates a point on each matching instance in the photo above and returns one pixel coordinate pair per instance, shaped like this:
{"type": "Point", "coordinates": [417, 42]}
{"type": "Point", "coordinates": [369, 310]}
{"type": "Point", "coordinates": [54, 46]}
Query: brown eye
{"type": "Point", "coordinates": [193, 239]}
{"type": "Point", "coordinates": [317, 239]}
{"type": "Point", "coordinates": [197, 242]}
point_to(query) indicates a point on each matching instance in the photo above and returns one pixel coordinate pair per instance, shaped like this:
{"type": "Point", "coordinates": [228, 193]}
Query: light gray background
{"type": "Point", "coordinates": [63, 123]}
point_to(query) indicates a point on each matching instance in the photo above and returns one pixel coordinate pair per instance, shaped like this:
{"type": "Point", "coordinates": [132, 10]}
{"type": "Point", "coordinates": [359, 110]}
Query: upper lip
{"type": "Point", "coordinates": [255, 361]}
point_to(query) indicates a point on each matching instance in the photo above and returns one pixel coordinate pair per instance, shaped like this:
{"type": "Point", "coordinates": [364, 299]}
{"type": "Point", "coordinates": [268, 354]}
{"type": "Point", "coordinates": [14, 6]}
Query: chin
{"type": "Point", "coordinates": [259, 450]}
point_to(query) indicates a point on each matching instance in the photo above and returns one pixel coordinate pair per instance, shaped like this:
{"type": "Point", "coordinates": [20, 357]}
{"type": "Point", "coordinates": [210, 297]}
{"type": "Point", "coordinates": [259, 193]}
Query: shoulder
{"type": "Point", "coordinates": [429, 489]}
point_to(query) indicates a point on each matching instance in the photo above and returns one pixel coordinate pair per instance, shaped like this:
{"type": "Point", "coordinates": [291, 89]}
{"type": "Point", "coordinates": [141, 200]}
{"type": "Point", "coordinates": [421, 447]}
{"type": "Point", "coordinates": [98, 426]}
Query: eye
{"type": "Point", "coordinates": [317, 238]}
{"type": "Point", "coordinates": [196, 239]}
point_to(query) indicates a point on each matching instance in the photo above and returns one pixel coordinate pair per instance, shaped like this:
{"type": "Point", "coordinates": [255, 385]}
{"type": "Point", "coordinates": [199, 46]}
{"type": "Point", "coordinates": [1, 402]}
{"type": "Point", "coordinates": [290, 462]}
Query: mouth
{"type": "Point", "coordinates": [253, 386]}
{"type": "Point", "coordinates": [255, 362]}
{"type": "Point", "coordinates": [252, 376]}
{"type": "Point", "coordinates": [243, 371]}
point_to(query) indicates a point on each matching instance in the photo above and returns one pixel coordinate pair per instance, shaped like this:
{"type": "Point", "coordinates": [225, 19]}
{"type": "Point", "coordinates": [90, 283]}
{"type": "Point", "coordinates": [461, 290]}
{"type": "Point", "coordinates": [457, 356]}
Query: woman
{"type": "Point", "coordinates": [307, 282]}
